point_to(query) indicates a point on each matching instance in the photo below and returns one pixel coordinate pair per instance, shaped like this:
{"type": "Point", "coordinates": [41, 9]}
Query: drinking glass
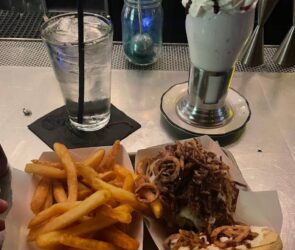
{"type": "Point", "coordinates": [60, 34]}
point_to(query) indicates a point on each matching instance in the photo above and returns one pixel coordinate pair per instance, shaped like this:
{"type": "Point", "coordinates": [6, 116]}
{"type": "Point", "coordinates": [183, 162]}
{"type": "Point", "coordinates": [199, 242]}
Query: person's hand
{"type": "Point", "coordinates": [3, 207]}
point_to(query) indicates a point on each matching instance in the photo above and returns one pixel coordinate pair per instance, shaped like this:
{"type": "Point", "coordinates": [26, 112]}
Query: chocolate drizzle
{"type": "Point", "coordinates": [216, 6]}
{"type": "Point", "coordinates": [187, 6]}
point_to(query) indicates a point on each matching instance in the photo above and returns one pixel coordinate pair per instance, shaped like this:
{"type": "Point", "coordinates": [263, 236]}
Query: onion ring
{"type": "Point", "coordinates": [150, 169]}
{"type": "Point", "coordinates": [143, 193]}
{"type": "Point", "coordinates": [236, 235]}
{"type": "Point", "coordinates": [167, 169]}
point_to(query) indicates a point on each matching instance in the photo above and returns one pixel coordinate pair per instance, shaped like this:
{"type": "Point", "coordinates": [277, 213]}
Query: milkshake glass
{"type": "Point", "coordinates": [216, 33]}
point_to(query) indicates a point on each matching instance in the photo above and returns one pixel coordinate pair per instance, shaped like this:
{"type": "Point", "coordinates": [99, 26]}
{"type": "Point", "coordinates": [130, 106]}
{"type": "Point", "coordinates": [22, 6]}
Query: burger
{"type": "Point", "coordinates": [199, 198]}
{"type": "Point", "coordinates": [195, 186]}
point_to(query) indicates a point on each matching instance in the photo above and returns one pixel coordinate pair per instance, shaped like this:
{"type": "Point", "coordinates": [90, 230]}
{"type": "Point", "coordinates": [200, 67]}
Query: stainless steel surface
{"type": "Point", "coordinates": [238, 104]}
{"type": "Point", "coordinates": [175, 57]}
{"type": "Point", "coordinates": [204, 104]}
{"type": "Point", "coordinates": [269, 95]}
{"type": "Point", "coordinates": [252, 54]}
{"type": "Point", "coordinates": [265, 152]}
{"type": "Point", "coordinates": [285, 55]}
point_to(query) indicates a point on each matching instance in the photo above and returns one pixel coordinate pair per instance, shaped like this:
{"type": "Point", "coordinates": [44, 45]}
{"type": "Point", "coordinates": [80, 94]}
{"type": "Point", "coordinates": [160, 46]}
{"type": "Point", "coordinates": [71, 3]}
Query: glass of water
{"type": "Point", "coordinates": [60, 35]}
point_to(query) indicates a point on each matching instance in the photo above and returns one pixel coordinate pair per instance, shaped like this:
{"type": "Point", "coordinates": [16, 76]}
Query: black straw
{"type": "Point", "coordinates": [81, 60]}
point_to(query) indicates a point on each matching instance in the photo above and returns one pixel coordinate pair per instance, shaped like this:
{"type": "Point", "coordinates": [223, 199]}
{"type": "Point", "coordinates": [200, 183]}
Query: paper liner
{"type": "Point", "coordinates": [23, 186]}
{"type": "Point", "coordinates": [253, 208]}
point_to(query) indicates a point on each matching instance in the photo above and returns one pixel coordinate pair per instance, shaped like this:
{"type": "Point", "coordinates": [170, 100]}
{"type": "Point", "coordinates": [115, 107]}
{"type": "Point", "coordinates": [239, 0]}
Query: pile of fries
{"type": "Point", "coordinates": [85, 205]}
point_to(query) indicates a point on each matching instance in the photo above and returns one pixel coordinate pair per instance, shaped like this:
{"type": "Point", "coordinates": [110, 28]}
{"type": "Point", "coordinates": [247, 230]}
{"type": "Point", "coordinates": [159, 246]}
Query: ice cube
{"type": "Point", "coordinates": [66, 29]}
{"type": "Point", "coordinates": [66, 23]}
{"type": "Point", "coordinates": [94, 28]}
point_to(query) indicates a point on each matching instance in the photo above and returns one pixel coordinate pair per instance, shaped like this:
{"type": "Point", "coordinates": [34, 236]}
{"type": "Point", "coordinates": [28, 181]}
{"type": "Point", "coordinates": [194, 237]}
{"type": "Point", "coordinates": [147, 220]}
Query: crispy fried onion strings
{"type": "Point", "coordinates": [189, 176]}
{"type": "Point", "coordinates": [236, 235]}
{"type": "Point", "coordinates": [186, 239]}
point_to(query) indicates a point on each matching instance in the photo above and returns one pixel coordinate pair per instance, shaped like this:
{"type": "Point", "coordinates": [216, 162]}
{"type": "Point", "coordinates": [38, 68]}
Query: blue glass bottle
{"type": "Point", "coordinates": [142, 43]}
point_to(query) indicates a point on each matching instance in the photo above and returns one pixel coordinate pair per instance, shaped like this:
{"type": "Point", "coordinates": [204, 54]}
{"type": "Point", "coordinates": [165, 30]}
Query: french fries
{"type": "Point", "coordinates": [99, 222]}
{"type": "Point", "coordinates": [120, 216]}
{"type": "Point", "coordinates": [128, 183]}
{"type": "Point", "coordinates": [70, 168]}
{"type": "Point", "coordinates": [95, 159]}
{"type": "Point", "coordinates": [40, 195]}
{"type": "Point", "coordinates": [49, 198]}
{"type": "Point", "coordinates": [83, 208]}
{"type": "Point", "coordinates": [119, 238]}
{"type": "Point", "coordinates": [45, 171]}
{"type": "Point", "coordinates": [157, 208]}
{"type": "Point", "coordinates": [85, 204]}
{"type": "Point", "coordinates": [48, 163]}
{"type": "Point", "coordinates": [53, 239]}
{"type": "Point", "coordinates": [34, 232]}
{"type": "Point", "coordinates": [48, 240]}
{"type": "Point", "coordinates": [86, 244]}
{"type": "Point", "coordinates": [83, 191]}
{"type": "Point", "coordinates": [59, 192]}
{"type": "Point", "coordinates": [119, 194]}
{"type": "Point", "coordinates": [52, 211]}
{"type": "Point", "coordinates": [109, 160]}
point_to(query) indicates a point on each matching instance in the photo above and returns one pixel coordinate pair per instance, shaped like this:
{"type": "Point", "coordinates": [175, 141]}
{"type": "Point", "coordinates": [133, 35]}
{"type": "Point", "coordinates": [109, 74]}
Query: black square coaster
{"type": "Point", "coordinates": [55, 127]}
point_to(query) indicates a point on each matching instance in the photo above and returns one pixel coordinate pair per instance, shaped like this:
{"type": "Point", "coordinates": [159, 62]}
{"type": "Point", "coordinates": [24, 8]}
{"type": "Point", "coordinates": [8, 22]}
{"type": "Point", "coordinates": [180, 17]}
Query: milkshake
{"type": "Point", "coordinates": [216, 31]}
{"type": "Point", "coordinates": [217, 34]}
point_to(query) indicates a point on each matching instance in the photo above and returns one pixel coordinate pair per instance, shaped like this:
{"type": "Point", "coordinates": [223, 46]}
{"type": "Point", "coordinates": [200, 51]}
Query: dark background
{"type": "Point", "coordinates": [276, 27]}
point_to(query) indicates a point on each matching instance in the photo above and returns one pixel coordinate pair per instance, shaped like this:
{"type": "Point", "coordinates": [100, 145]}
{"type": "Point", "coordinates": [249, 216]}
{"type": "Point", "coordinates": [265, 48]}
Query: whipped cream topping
{"type": "Point", "coordinates": [200, 7]}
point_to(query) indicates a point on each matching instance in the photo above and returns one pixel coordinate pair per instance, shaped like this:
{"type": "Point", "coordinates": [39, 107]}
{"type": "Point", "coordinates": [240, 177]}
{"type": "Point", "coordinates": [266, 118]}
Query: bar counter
{"type": "Point", "coordinates": [264, 150]}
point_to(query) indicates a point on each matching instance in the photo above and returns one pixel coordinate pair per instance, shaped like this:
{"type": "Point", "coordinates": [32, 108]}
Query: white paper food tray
{"type": "Point", "coordinates": [253, 208]}
{"type": "Point", "coordinates": [23, 187]}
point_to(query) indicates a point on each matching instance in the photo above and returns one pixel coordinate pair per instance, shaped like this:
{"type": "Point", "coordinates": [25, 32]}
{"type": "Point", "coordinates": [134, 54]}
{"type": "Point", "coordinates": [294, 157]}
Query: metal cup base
{"type": "Point", "coordinates": [203, 118]}
{"type": "Point", "coordinates": [204, 105]}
